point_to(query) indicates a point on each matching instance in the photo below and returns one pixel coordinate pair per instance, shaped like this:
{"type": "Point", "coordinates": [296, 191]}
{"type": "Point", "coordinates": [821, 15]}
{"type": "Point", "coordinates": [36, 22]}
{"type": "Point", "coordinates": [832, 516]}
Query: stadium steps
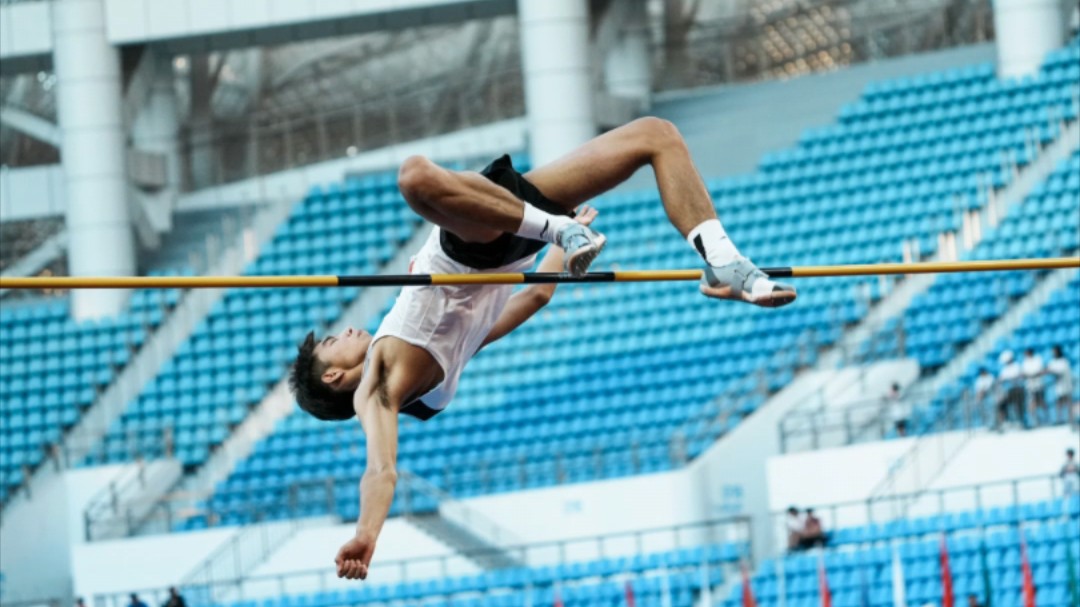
{"type": "Point", "coordinates": [897, 301]}
{"type": "Point", "coordinates": [90, 430]}
{"type": "Point", "coordinates": [252, 546]}
{"type": "Point", "coordinates": [1005, 325]}
{"type": "Point", "coordinates": [916, 469]}
{"type": "Point", "coordinates": [451, 522]}
{"type": "Point", "coordinates": [1011, 196]}
{"type": "Point", "coordinates": [129, 501]}
{"type": "Point", "coordinates": [278, 402]}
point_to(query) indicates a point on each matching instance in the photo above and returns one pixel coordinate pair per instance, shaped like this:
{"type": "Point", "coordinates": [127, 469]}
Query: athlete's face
{"type": "Point", "coordinates": [344, 356]}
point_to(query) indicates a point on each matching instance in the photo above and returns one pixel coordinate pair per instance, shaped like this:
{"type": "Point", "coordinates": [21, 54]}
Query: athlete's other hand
{"type": "Point", "coordinates": [585, 214]}
{"type": "Point", "coordinates": [354, 557]}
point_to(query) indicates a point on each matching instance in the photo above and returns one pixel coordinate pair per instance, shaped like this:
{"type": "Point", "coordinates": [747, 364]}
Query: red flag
{"type": "Point", "coordinates": [823, 581]}
{"type": "Point", "coordinates": [1025, 567]}
{"type": "Point", "coordinates": [947, 599]}
{"type": "Point", "coordinates": [748, 599]}
{"type": "Point", "coordinates": [629, 595]}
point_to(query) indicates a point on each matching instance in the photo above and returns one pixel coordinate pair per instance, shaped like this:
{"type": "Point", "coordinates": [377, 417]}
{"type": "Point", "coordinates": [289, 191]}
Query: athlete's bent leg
{"type": "Point", "coordinates": [477, 210]}
{"type": "Point", "coordinates": [611, 158]}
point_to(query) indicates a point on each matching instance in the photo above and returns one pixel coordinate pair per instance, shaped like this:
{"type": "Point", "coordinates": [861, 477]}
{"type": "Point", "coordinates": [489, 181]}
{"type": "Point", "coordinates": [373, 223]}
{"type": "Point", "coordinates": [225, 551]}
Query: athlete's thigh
{"type": "Point", "coordinates": [593, 168]}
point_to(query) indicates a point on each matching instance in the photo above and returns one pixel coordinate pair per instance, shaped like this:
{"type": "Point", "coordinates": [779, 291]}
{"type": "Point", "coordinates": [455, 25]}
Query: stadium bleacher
{"type": "Point", "coordinates": [243, 346]}
{"type": "Point", "coordinates": [859, 560]}
{"type": "Point", "coordinates": [958, 307]}
{"type": "Point", "coordinates": [595, 583]}
{"type": "Point", "coordinates": [53, 369]}
{"type": "Point", "coordinates": [955, 310]}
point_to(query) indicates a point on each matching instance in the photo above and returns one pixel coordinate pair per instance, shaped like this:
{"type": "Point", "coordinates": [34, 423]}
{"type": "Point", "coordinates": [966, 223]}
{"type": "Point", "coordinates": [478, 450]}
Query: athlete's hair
{"type": "Point", "coordinates": [311, 392]}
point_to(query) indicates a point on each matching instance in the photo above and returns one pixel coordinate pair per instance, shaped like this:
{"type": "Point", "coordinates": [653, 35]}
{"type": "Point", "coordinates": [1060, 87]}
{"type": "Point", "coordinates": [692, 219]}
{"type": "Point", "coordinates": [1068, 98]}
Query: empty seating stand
{"type": "Point", "coordinates": [598, 583]}
{"type": "Point", "coordinates": [53, 369]}
{"type": "Point", "coordinates": [859, 559]}
{"type": "Point", "coordinates": [246, 342]}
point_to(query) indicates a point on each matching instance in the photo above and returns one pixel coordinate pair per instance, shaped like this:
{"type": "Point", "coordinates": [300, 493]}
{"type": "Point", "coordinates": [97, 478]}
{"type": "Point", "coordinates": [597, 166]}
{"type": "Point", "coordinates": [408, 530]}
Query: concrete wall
{"type": "Point", "coordinates": [156, 561]}
{"type": "Point", "coordinates": [37, 534]}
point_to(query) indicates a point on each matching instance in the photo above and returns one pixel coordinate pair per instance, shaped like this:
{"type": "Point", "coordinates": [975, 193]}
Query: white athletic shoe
{"type": "Point", "coordinates": [737, 280]}
{"type": "Point", "coordinates": [581, 245]}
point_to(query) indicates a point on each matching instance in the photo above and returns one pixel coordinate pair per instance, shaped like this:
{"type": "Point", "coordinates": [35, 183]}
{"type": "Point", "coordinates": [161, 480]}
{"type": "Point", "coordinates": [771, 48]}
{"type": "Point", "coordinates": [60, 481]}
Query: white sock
{"type": "Point", "coordinates": [538, 225]}
{"type": "Point", "coordinates": [711, 242]}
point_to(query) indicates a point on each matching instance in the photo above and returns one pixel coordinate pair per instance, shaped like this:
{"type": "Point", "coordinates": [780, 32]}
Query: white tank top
{"type": "Point", "coordinates": [450, 322]}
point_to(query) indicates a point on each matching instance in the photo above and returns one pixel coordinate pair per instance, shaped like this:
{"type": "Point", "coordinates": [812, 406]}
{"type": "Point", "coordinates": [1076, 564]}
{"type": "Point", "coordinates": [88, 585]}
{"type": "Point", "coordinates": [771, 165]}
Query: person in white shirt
{"type": "Point", "coordinates": [984, 387]}
{"type": "Point", "coordinates": [1010, 378]}
{"type": "Point", "coordinates": [1060, 369]}
{"type": "Point", "coordinates": [1034, 384]}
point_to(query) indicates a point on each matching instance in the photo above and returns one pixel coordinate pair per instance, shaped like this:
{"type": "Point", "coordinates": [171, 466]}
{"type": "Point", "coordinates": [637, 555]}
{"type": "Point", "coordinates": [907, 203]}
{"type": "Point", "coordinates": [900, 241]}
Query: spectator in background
{"type": "Point", "coordinates": [899, 411]}
{"type": "Point", "coordinates": [984, 388]}
{"type": "Point", "coordinates": [795, 526]}
{"type": "Point", "coordinates": [973, 601]}
{"type": "Point", "coordinates": [79, 602]}
{"type": "Point", "coordinates": [1034, 384]}
{"type": "Point", "coordinates": [1061, 371]}
{"type": "Point", "coordinates": [813, 533]}
{"type": "Point", "coordinates": [175, 600]}
{"type": "Point", "coordinates": [1070, 474]}
{"type": "Point", "coordinates": [1011, 382]}
{"type": "Point", "coordinates": [136, 601]}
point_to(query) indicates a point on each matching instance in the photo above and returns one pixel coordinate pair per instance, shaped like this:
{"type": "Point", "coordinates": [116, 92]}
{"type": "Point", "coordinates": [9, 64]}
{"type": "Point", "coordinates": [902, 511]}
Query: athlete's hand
{"type": "Point", "coordinates": [354, 557]}
{"type": "Point", "coordinates": [585, 215]}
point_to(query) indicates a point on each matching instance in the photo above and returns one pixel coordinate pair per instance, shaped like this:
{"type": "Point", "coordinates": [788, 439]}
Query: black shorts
{"type": "Point", "coordinates": [507, 248]}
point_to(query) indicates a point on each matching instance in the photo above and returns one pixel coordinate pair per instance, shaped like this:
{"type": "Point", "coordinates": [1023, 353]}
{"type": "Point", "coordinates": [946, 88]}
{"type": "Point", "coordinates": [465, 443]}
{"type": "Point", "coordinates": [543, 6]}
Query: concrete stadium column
{"type": "Point", "coordinates": [558, 89]}
{"type": "Point", "coordinates": [157, 126]}
{"type": "Point", "coordinates": [1026, 30]}
{"type": "Point", "coordinates": [100, 239]}
{"type": "Point", "coordinates": [627, 66]}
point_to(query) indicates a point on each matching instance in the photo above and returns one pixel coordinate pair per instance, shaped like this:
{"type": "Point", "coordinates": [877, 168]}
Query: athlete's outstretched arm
{"type": "Point", "coordinates": [529, 301]}
{"type": "Point", "coordinates": [379, 417]}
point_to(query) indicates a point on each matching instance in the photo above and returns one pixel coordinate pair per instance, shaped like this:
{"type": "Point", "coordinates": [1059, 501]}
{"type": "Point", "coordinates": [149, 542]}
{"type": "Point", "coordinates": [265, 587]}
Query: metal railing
{"type": "Point", "coordinates": [929, 454]}
{"type": "Point", "coordinates": [863, 420]}
{"type": "Point", "coordinates": [106, 503]}
{"type": "Point", "coordinates": [808, 37]}
{"type": "Point", "coordinates": [809, 416]}
{"type": "Point", "coordinates": [217, 153]}
{"type": "Point", "coordinates": [977, 497]}
{"type": "Point", "coordinates": [733, 530]}
{"type": "Point", "coordinates": [453, 510]}
{"type": "Point", "coordinates": [299, 499]}
{"type": "Point", "coordinates": [249, 548]}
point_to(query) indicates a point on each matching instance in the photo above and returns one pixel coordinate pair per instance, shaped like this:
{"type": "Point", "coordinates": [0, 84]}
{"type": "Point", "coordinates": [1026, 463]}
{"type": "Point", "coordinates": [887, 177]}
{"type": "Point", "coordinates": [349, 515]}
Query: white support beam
{"type": "Point", "coordinates": [199, 26]}
{"type": "Point", "coordinates": [32, 192]}
{"type": "Point", "coordinates": [30, 125]}
{"type": "Point", "coordinates": [25, 37]}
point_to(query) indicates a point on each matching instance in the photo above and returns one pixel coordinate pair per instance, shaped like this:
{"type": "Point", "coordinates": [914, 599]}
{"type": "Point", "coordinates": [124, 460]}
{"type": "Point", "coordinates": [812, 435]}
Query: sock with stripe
{"type": "Point", "coordinates": [539, 225]}
{"type": "Point", "coordinates": [711, 242]}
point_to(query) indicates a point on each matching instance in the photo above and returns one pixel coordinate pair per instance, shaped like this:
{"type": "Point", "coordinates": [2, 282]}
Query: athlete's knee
{"type": "Point", "coordinates": [659, 133]}
{"type": "Point", "coordinates": [417, 178]}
